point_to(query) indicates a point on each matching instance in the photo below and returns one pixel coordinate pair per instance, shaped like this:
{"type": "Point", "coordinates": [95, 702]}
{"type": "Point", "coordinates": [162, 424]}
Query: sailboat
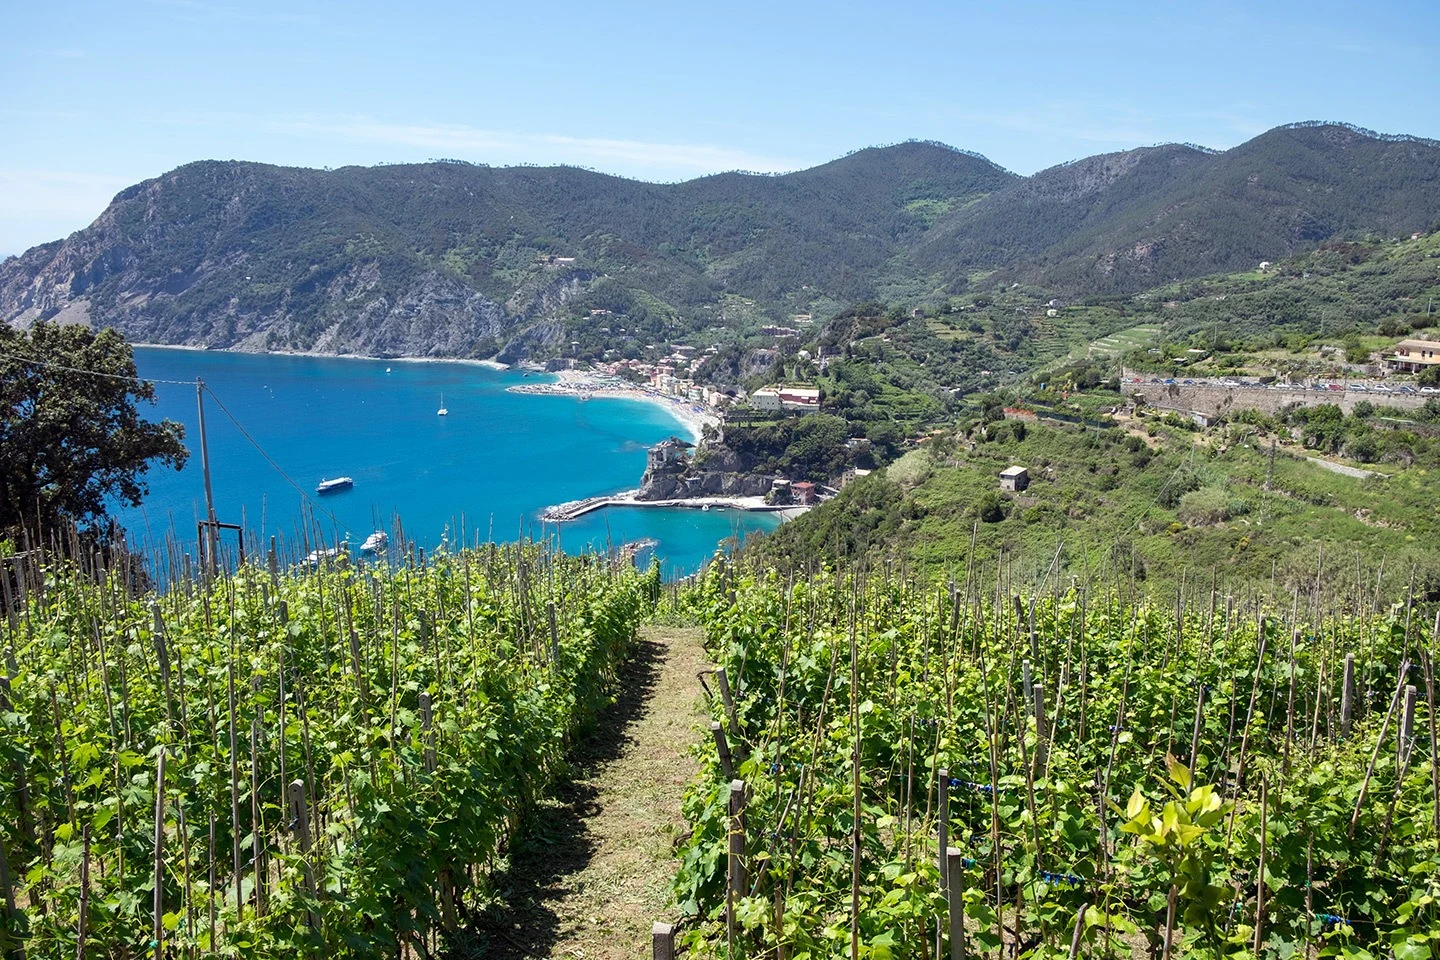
{"type": "Point", "coordinates": [442, 411]}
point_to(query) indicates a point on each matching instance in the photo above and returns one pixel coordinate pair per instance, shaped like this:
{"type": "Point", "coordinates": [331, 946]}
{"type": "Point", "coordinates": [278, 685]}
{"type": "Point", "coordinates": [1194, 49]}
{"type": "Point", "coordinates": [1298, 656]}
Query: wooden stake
{"type": "Point", "coordinates": [954, 874]}
{"type": "Point", "coordinates": [158, 931]}
{"type": "Point", "coordinates": [82, 921]}
{"type": "Point", "coordinates": [427, 721]}
{"type": "Point", "coordinates": [300, 823]}
{"type": "Point", "coordinates": [1405, 741]}
{"type": "Point", "coordinates": [722, 749]}
{"type": "Point", "coordinates": [1347, 696]}
{"type": "Point", "coordinates": [1079, 930]}
{"type": "Point", "coordinates": [11, 913]}
{"type": "Point", "coordinates": [1260, 874]}
{"type": "Point", "coordinates": [735, 862]}
{"type": "Point", "coordinates": [662, 942]}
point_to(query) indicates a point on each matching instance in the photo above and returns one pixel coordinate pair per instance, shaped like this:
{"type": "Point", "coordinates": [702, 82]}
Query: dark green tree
{"type": "Point", "coordinates": [72, 439]}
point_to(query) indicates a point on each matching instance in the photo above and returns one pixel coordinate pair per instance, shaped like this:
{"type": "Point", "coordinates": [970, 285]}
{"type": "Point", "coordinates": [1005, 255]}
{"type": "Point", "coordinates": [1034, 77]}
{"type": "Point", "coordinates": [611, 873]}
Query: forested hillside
{"type": "Point", "coordinates": [452, 259]}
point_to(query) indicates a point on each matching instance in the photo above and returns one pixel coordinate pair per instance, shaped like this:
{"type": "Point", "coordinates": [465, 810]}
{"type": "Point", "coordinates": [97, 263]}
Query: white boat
{"type": "Point", "coordinates": [316, 556]}
{"type": "Point", "coordinates": [375, 543]}
{"type": "Point", "coordinates": [334, 486]}
{"type": "Point", "coordinates": [442, 411]}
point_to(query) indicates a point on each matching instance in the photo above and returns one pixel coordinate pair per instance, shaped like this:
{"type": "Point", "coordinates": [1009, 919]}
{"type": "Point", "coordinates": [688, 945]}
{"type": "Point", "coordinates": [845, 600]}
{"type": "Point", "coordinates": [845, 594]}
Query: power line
{"type": "Point", "coordinates": [92, 373]}
{"type": "Point", "coordinates": [271, 460]}
{"type": "Point", "coordinates": [190, 383]}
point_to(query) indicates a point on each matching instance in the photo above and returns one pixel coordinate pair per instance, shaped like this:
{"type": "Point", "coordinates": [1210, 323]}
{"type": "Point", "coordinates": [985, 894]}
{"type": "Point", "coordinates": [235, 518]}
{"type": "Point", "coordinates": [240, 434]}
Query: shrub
{"type": "Point", "coordinates": [989, 507]}
{"type": "Point", "coordinates": [1210, 505]}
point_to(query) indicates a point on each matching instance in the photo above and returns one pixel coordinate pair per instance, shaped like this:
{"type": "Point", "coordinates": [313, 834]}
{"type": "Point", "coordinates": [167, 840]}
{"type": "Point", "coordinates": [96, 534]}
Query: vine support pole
{"type": "Point", "coordinates": [1260, 874]}
{"type": "Point", "coordinates": [943, 847]}
{"type": "Point", "coordinates": [1079, 930]}
{"type": "Point", "coordinates": [736, 861]}
{"type": "Point", "coordinates": [11, 912]}
{"type": "Point", "coordinates": [1407, 727]}
{"type": "Point", "coordinates": [954, 874]}
{"type": "Point", "coordinates": [1347, 696]}
{"type": "Point", "coordinates": [427, 726]}
{"type": "Point", "coordinates": [158, 930]}
{"type": "Point", "coordinates": [662, 942]}
{"type": "Point", "coordinates": [300, 820]}
{"type": "Point", "coordinates": [722, 749]}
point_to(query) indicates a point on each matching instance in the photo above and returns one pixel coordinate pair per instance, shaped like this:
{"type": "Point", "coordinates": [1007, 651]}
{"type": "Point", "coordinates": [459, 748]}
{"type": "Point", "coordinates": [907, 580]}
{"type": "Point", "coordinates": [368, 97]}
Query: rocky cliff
{"type": "Point", "coordinates": [722, 472]}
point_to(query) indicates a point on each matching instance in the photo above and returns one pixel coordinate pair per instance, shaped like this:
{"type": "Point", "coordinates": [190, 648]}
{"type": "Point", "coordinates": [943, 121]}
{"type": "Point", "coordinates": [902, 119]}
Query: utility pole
{"type": "Point", "coordinates": [212, 539]}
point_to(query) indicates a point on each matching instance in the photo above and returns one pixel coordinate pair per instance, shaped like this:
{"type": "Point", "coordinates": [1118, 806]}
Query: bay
{"type": "Point", "coordinates": [491, 465]}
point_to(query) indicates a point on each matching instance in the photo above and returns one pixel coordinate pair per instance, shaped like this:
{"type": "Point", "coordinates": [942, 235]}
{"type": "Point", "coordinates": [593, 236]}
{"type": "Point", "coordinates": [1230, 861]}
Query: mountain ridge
{"type": "Point", "coordinates": [457, 259]}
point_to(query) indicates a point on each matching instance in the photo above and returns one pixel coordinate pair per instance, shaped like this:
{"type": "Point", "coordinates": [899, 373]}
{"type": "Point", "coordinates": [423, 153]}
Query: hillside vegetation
{"type": "Point", "coordinates": [1158, 511]}
{"type": "Point", "coordinates": [451, 259]}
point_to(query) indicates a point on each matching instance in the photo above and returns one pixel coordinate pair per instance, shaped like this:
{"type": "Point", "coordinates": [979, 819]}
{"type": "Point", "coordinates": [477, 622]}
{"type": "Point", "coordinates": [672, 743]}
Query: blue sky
{"type": "Point", "coordinates": [100, 95]}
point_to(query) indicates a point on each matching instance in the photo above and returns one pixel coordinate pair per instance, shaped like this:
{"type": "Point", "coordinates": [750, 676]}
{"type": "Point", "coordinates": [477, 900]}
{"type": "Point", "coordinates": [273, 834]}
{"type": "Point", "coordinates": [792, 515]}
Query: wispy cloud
{"type": "Point", "coordinates": [637, 157]}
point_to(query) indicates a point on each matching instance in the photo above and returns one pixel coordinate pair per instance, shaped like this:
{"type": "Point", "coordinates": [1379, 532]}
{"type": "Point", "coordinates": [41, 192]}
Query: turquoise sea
{"type": "Point", "coordinates": [488, 467]}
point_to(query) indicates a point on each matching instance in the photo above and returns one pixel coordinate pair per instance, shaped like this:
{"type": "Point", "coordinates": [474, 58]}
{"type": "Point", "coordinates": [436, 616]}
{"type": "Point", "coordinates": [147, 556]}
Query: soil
{"type": "Point", "coordinates": [594, 870]}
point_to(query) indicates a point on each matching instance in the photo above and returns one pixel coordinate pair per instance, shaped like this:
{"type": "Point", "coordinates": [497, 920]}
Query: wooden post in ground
{"type": "Point", "coordinates": [735, 861]}
{"type": "Point", "coordinates": [942, 846]}
{"type": "Point", "coordinates": [722, 748]}
{"type": "Point", "coordinates": [427, 725]}
{"type": "Point", "coordinates": [1042, 733]}
{"type": "Point", "coordinates": [158, 931]}
{"type": "Point", "coordinates": [1260, 873]}
{"type": "Point", "coordinates": [300, 822]}
{"type": "Point", "coordinates": [554, 635]}
{"type": "Point", "coordinates": [1028, 681]}
{"type": "Point", "coordinates": [1347, 696]}
{"type": "Point", "coordinates": [1407, 727]}
{"type": "Point", "coordinates": [1195, 733]}
{"type": "Point", "coordinates": [83, 919]}
{"type": "Point", "coordinates": [954, 874]}
{"type": "Point", "coordinates": [9, 941]}
{"type": "Point", "coordinates": [727, 697]}
{"type": "Point", "coordinates": [1079, 930]}
{"type": "Point", "coordinates": [662, 942]}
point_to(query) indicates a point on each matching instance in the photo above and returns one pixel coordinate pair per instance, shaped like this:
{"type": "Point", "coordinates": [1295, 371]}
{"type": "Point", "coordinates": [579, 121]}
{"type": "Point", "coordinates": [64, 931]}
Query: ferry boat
{"type": "Point", "coordinates": [375, 543]}
{"type": "Point", "coordinates": [335, 486]}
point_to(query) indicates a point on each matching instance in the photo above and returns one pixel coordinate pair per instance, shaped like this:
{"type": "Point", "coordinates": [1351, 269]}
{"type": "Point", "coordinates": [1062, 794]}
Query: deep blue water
{"type": "Point", "coordinates": [491, 465]}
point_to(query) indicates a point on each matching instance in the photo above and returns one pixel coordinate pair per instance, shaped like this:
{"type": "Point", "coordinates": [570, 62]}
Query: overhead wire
{"type": "Point", "coordinates": [93, 373]}
{"type": "Point", "coordinates": [305, 494]}
{"type": "Point", "coordinates": [315, 504]}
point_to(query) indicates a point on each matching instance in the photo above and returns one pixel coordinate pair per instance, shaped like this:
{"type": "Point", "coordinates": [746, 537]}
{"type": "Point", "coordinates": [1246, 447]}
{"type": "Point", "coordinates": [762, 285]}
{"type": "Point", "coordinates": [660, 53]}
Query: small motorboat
{"type": "Point", "coordinates": [375, 543]}
{"type": "Point", "coordinates": [335, 486]}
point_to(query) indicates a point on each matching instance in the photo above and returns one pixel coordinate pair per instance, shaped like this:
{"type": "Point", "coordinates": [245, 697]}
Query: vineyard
{"type": "Point", "coordinates": [903, 769]}
{"type": "Point", "coordinates": [319, 762]}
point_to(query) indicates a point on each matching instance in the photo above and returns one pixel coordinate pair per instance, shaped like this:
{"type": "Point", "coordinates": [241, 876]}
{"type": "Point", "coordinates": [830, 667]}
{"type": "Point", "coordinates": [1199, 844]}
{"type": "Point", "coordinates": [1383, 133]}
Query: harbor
{"type": "Point", "coordinates": [575, 509]}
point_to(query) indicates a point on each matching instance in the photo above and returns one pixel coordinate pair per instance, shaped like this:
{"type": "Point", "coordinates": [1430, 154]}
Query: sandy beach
{"type": "Point", "coordinates": [577, 383]}
{"type": "Point", "coordinates": [491, 364]}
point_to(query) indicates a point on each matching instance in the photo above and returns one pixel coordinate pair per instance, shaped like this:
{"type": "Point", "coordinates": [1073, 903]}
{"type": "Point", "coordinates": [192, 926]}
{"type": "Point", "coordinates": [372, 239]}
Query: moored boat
{"type": "Point", "coordinates": [375, 543]}
{"type": "Point", "coordinates": [335, 486]}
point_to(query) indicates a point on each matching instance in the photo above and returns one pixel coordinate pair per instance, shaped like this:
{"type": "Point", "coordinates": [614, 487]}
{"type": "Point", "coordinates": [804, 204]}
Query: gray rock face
{"type": "Point", "coordinates": [685, 483]}
{"type": "Point", "coordinates": [163, 267]}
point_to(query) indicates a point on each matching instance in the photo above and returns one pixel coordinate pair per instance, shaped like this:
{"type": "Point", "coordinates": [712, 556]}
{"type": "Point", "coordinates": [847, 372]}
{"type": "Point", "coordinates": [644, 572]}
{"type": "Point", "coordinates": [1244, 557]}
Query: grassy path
{"type": "Point", "coordinates": [594, 872]}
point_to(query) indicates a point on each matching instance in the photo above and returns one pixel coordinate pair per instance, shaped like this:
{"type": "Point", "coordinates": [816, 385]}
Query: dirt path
{"type": "Point", "coordinates": [595, 870]}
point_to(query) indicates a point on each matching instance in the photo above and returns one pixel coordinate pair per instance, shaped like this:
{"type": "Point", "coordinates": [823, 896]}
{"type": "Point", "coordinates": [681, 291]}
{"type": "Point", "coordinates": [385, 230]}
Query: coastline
{"type": "Point", "coordinates": [489, 364]}
{"type": "Point", "coordinates": [575, 383]}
